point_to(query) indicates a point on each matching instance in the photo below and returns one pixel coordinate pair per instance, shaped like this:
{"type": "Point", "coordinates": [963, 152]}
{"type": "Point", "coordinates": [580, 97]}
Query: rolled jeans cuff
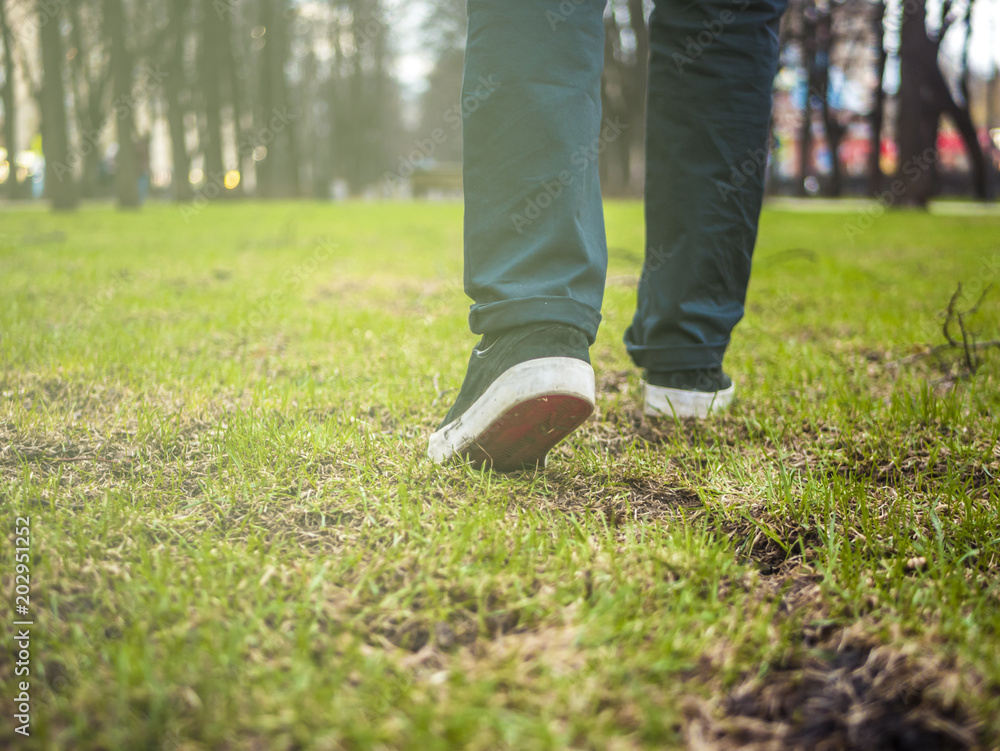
{"type": "Point", "coordinates": [496, 316]}
{"type": "Point", "coordinates": [678, 357]}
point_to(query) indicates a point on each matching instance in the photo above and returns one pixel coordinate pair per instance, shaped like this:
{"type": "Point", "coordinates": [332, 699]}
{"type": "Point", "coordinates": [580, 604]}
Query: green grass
{"type": "Point", "coordinates": [217, 425]}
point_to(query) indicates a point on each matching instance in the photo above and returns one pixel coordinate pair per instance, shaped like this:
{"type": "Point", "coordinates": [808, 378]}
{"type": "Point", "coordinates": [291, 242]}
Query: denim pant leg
{"type": "Point", "coordinates": [535, 249]}
{"type": "Point", "coordinates": [712, 66]}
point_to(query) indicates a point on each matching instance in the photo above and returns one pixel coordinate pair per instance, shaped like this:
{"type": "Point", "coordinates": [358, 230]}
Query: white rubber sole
{"type": "Point", "coordinates": [523, 413]}
{"type": "Point", "coordinates": [664, 402]}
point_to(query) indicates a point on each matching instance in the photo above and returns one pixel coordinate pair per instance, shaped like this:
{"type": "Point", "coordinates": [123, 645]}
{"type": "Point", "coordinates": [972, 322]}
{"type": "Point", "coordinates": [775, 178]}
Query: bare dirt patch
{"type": "Point", "coordinates": [846, 691]}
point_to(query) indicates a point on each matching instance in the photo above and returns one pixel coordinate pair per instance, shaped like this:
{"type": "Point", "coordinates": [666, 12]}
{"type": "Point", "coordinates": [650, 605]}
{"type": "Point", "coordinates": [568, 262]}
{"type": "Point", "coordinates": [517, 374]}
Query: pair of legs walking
{"type": "Point", "coordinates": [535, 248]}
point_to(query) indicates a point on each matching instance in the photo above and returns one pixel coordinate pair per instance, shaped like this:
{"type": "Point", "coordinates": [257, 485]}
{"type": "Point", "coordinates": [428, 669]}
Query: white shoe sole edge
{"type": "Point", "coordinates": [545, 376]}
{"type": "Point", "coordinates": [661, 401]}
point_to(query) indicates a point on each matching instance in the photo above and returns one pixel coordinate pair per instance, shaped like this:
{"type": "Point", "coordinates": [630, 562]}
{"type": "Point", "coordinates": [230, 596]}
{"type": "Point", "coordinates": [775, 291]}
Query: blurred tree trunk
{"type": "Point", "coordinates": [290, 110]}
{"type": "Point", "coordinates": [337, 105]}
{"type": "Point", "coordinates": [377, 131]}
{"type": "Point", "coordinates": [787, 36]}
{"type": "Point", "coordinates": [771, 175]}
{"type": "Point", "coordinates": [963, 80]}
{"type": "Point", "coordinates": [963, 118]}
{"type": "Point", "coordinates": [9, 103]}
{"type": "Point", "coordinates": [878, 102]}
{"type": "Point", "coordinates": [620, 82]}
{"type": "Point", "coordinates": [832, 128]}
{"type": "Point", "coordinates": [293, 164]}
{"type": "Point", "coordinates": [89, 85]}
{"type": "Point", "coordinates": [79, 82]}
{"type": "Point", "coordinates": [211, 55]}
{"type": "Point", "coordinates": [807, 43]}
{"type": "Point", "coordinates": [265, 167]}
{"type": "Point", "coordinates": [126, 164]}
{"type": "Point", "coordinates": [324, 169]}
{"type": "Point", "coordinates": [358, 151]}
{"type": "Point", "coordinates": [236, 61]}
{"type": "Point", "coordinates": [992, 100]}
{"type": "Point", "coordinates": [608, 104]}
{"type": "Point", "coordinates": [923, 97]}
{"type": "Point", "coordinates": [636, 132]}
{"type": "Point", "coordinates": [273, 120]}
{"type": "Point", "coordinates": [173, 85]}
{"type": "Point", "coordinates": [59, 184]}
{"type": "Point", "coordinates": [917, 117]}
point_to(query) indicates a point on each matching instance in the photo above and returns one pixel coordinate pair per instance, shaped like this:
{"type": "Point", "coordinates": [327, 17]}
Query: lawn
{"type": "Point", "coordinates": [213, 424]}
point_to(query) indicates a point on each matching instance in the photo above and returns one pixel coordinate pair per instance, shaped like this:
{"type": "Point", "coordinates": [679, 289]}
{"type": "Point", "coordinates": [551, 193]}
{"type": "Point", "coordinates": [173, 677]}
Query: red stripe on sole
{"type": "Point", "coordinates": [523, 435]}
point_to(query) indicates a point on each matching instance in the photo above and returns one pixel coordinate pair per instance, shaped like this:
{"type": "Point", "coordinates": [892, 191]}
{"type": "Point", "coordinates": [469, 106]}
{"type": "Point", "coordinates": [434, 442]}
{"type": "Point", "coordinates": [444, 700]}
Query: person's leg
{"type": "Point", "coordinates": [535, 251]}
{"type": "Point", "coordinates": [712, 66]}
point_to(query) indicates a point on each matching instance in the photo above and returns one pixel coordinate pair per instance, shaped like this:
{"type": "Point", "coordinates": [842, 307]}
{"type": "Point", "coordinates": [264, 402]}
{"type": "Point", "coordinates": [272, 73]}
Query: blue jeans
{"type": "Point", "coordinates": [535, 248]}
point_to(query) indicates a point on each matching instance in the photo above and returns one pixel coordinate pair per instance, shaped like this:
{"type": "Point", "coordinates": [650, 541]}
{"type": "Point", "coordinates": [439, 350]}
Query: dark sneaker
{"type": "Point", "coordinates": [687, 393]}
{"type": "Point", "coordinates": [526, 389]}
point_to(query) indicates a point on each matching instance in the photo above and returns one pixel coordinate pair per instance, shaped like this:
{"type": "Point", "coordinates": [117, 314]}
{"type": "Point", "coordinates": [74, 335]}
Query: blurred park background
{"type": "Point", "coordinates": [196, 100]}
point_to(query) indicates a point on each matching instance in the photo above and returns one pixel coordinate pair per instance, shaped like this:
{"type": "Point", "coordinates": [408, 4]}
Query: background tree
{"type": "Point", "coordinates": [9, 103]}
{"type": "Point", "coordinates": [60, 185]}
{"type": "Point", "coordinates": [443, 95]}
{"type": "Point", "coordinates": [924, 96]}
{"type": "Point", "coordinates": [123, 116]}
{"type": "Point", "coordinates": [833, 127]}
{"type": "Point", "coordinates": [176, 90]}
{"type": "Point", "coordinates": [807, 17]}
{"type": "Point", "coordinates": [302, 97]}
{"type": "Point", "coordinates": [90, 78]}
{"type": "Point", "coordinates": [237, 29]}
{"type": "Point", "coordinates": [213, 59]}
{"type": "Point", "coordinates": [877, 113]}
{"type": "Point", "coordinates": [277, 172]}
{"type": "Point", "coordinates": [623, 93]}
{"type": "Point", "coordinates": [444, 32]}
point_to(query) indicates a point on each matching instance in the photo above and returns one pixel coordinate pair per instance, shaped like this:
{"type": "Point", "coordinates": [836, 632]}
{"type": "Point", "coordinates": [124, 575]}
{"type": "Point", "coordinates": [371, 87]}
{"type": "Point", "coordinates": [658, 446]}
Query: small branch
{"type": "Point", "coordinates": [967, 353]}
{"type": "Point", "coordinates": [972, 362]}
{"type": "Point", "coordinates": [965, 340]}
{"type": "Point", "coordinates": [949, 316]}
{"type": "Point", "coordinates": [975, 307]}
